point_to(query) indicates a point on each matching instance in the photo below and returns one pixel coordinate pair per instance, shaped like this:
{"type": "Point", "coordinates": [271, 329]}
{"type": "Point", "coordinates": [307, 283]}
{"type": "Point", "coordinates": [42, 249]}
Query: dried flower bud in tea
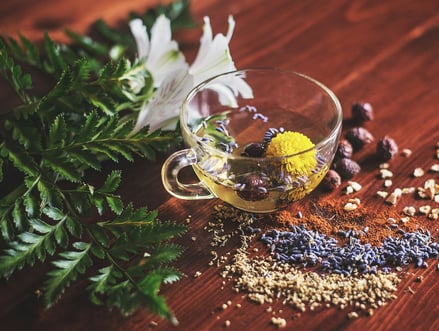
{"type": "Point", "coordinates": [253, 187]}
{"type": "Point", "coordinates": [254, 150]}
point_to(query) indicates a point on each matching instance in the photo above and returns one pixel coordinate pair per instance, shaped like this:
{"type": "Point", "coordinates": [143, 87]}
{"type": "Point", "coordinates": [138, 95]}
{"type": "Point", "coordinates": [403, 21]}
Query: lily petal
{"type": "Point", "coordinates": [164, 56]}
{"type": "Point", "coordinates": [163, 110]}
{"type": "Point", "coordinates": [140, 35]}
{"type": "Point", "coordinates": [213, 57]}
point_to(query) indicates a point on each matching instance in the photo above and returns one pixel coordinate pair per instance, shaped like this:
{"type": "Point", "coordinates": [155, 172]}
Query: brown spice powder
{"type": "Point", "coordinates": [328, 217]}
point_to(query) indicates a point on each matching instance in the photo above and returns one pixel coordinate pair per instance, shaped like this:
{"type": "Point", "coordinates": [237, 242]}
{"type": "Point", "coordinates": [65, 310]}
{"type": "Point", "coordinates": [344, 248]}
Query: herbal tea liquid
{"type": "Point", "coordinates": [260, 184]}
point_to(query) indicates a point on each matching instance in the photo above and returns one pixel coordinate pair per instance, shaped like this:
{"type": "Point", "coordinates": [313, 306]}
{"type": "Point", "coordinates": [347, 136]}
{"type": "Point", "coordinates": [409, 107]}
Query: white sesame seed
{"type": "Point", "coordinates": [350, 206]}
{"type": "Point", "coordinates": [424, 209]}
{"type": "Point", "coordinates": [356, 201]}
{"type": "Point", "coordinates": [348, 190]}
{"type": "Point", "coordinates": [430, 188]}
{"type": "Point", "coordinates": [355, 186]}
{"type": "Point", "coordinates": [388, 183]}
{"type": "Point", "coordinates": [385, 173]}
{"type": "Point", "coordinates": [406, 152]}
{"type": "Point", "coordinates": [408, 190]}
{"type": "Point", "coordinates": [382, 194]}
{"type": "Point", "coordinates": [394, 196]}
{"type": "Point", "coordinates": [418, 172]}
{"type": "Point", "coordinates": [409, 210]}
{"type": "Point", "coordinates": [353, 314]}
{"type": "Point", "coordinates": [279, 322]}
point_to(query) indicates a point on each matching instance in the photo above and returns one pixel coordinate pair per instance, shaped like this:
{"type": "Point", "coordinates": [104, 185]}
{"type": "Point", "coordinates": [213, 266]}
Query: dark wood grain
{"type": "Point", "coordinates": [384, 52]}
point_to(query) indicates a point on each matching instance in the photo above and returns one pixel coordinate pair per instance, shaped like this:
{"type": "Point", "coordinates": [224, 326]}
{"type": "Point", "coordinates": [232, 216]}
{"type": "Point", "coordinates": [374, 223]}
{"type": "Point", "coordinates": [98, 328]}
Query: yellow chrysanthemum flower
{"type": "Point", "coordinates": [289, 143]}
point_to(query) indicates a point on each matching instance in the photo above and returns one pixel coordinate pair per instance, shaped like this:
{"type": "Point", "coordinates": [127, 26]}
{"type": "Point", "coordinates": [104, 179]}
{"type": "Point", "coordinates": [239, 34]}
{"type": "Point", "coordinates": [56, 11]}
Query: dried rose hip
{"type": "Point", "coordinates": [386, 149]}
{"type": "Point", "coordinates": [254, 150]}
{"type": "Point", "coordinates": [331, 181]}
{"type": "Point", "coordinates": [344, 150]}
{"type": "Point", "coordinates": [358, 137]}
{"type": "Point", "coordinates": [253, 187]}
{"type": "Point", "coordinates": [362, 112]}
{"type": "Point", "coordinates": [347, 168]}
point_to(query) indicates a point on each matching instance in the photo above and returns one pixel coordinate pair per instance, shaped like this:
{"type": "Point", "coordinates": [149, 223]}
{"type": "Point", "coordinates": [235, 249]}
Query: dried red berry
{"type": "Point", "coordinates": [347, 168]}
{"type": "Point", "coordinates": [344, 150]}
{"type": "Point", "coordinates": [253, 187]}
{"type": "Point", "coordinates": [386, 149]}
{"type": "Point", "coordinates": [254, 150]}
{"type": "Point", "coordinates": [358, 137]}
{"type": "Point", "coordinates": [362, 112]}
{"type": "Point", "coordinates": [331, 181]}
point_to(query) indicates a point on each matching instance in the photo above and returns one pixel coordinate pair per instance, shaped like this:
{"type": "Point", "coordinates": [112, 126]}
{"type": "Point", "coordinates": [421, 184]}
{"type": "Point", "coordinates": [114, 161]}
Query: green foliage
{"type": "Point", "coordinates": [51, 144]}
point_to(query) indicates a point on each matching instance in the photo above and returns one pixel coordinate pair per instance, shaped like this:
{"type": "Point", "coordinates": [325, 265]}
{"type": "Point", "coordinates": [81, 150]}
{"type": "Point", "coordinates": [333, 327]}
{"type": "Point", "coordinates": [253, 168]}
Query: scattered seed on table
{"type": "Point", "coordinates": [406, 152]}
{"type": "Point", "coordinates": [425, 209]}
{"type": "Point", "coordinates": [408, 190]}
{"type": "Point", "coordinates": [279, 322]}
{"type": "Point", "coordinates": [394, 196]}
{"type": "Point", "coordinates": [353, 314]}
{"type": "Point", "coordinates": [355, 186]}
{"type": "Point", "coordinates": [418, 172]}
{"type": "Point", "coordinates": [385, 173]}
{"type": "Point", "coordinates": [409, 210]}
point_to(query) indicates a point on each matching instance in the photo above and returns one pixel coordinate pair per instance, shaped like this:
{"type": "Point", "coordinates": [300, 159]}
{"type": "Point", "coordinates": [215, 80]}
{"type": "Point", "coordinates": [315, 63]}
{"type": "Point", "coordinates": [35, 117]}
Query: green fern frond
{"type": "Point", "coordinates": [68, 268]}
{"type": "Point", "coordinates": [55, 142]}
{"type": "Point", "coordinates": [20, 82]}
{"type": "Point", "coordinates": [54, 62]}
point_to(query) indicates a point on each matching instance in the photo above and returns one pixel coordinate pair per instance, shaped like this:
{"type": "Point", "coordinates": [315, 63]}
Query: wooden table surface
{"type": "Point", "coordinates": [383, 52]}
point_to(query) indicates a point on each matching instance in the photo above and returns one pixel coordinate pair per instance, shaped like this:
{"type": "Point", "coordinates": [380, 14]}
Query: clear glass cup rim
{"type": "Point", "coordinates": [331, 135]}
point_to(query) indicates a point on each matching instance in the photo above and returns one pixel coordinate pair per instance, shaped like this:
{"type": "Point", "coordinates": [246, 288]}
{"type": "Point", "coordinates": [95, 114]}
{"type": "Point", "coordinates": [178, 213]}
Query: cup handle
{"type": "Point", "coordinates": [170, 169]}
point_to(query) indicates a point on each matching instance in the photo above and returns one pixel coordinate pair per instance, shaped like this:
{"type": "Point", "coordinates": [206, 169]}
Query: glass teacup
{"type": "Point", "coordinates": [258, 139]}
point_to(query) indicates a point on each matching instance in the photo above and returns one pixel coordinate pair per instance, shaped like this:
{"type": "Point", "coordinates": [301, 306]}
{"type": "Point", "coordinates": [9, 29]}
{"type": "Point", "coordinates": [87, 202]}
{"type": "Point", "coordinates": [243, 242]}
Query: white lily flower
{"type": "Point", "coordinates": [161, 53]}
{"type": "Point", "coordinates": [213, 58]}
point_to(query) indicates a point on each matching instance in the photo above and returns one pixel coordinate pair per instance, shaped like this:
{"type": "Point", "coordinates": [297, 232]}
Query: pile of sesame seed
{"type": "Point", "coordinates": [265, 280]}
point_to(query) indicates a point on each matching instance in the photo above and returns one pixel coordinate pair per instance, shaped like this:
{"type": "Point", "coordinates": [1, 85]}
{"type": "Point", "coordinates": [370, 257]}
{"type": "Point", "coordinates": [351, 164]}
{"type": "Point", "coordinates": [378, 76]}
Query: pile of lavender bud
{"type": "Point", "coordinates": [303, 247]}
